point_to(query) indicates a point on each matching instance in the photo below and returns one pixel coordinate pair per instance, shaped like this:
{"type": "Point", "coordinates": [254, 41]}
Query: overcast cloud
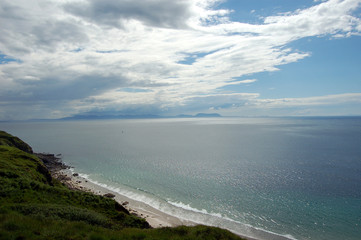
{"type": "Point", "coordinates": [114, 13]}
{"type": "Point", "coordinates": [165, 57]}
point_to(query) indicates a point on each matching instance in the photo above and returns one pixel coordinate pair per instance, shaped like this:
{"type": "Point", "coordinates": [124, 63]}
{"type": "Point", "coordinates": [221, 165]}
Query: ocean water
{"type": "Point", "coordinates": [267, 178]}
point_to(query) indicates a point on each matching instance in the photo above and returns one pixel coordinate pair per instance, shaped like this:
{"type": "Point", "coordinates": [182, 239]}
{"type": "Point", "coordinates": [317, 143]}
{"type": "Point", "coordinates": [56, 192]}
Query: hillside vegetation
{"type": "Point", "coordinates": [33, 205]}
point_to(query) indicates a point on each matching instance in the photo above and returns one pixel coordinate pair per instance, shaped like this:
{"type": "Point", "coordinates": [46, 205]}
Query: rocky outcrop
{"type": "Point", "coordinates": [52, 162]}
{"type": "Point", "coordinates": [109, 195]}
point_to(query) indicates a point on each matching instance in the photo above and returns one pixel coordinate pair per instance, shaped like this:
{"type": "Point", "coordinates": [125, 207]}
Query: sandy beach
{"type": "Point", "coordinates": [153, 216]}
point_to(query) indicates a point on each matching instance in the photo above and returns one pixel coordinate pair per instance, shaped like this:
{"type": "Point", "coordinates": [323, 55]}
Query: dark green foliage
{"type": "Point", "coordinates": [35, 206]}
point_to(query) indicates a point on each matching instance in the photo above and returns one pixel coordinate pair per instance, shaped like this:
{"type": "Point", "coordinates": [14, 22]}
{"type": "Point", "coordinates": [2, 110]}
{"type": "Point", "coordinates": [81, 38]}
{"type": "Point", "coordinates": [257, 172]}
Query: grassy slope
{"type": "Point", "coordinates": [35, 206]}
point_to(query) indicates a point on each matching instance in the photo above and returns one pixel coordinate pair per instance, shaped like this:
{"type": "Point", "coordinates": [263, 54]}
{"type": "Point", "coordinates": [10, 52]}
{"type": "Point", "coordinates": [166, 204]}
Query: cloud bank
{"type": "Point", "coordinates": [165, 57]}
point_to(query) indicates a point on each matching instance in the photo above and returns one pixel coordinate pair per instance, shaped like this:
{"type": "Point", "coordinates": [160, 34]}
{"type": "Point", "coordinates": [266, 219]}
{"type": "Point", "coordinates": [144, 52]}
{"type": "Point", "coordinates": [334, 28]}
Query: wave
{"type": "Point", "coordinates": [189, 208]}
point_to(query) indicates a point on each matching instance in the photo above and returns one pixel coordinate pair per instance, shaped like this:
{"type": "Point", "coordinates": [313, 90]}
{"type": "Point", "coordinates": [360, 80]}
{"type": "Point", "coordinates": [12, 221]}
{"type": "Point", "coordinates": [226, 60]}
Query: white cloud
{"type": "Point", "coordinates": [76, 54]}
{"type": "Point", "coordinates": [331, 17]}
{"type": "Point", "coordinates": [237, 82]}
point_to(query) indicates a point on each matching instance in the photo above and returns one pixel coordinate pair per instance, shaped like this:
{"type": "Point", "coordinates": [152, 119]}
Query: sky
{"type": "Point", "coordinates": [61, 58]}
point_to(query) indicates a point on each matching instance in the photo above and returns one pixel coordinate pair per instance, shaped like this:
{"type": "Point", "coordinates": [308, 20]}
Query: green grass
{"type": "Point", "coordinates": [9, 140]}
{"type": "Point", "coordinates": [35, 206]}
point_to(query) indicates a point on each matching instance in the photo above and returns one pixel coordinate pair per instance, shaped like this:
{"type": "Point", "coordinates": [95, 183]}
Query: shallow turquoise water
{"type": "Point", "coordinates": [266, 178]}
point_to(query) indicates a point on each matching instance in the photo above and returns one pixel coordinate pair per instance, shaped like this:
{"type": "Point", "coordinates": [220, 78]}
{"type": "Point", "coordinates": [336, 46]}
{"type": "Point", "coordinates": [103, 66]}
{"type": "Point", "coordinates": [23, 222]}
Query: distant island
{"type": "Point", "coordinates": [199, 115]}
{"type": "Point", "coordinates": [94, 116]}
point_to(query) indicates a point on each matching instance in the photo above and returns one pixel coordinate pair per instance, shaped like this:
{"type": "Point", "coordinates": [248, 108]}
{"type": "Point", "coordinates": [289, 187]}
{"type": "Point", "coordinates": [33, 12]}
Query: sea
{"type": "Point", "coordinates": [265, 178]}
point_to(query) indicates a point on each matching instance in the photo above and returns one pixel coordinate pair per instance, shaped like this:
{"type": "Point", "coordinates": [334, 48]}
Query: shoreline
{"type": "Point", "coordinates": [74, 181]}
{"type": "Point", "coordinates": [154, 217]}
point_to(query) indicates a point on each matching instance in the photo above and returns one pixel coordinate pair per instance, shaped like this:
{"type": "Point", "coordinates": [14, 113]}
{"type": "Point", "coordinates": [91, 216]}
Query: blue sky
{"type": "Point", "coordinates": [332, 68]}
{"type": "Point", "coordinates": [159, 57]}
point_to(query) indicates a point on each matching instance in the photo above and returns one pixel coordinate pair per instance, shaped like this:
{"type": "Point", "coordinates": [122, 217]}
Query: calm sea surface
{"type": "Point", "coordinates": [297, 178]}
